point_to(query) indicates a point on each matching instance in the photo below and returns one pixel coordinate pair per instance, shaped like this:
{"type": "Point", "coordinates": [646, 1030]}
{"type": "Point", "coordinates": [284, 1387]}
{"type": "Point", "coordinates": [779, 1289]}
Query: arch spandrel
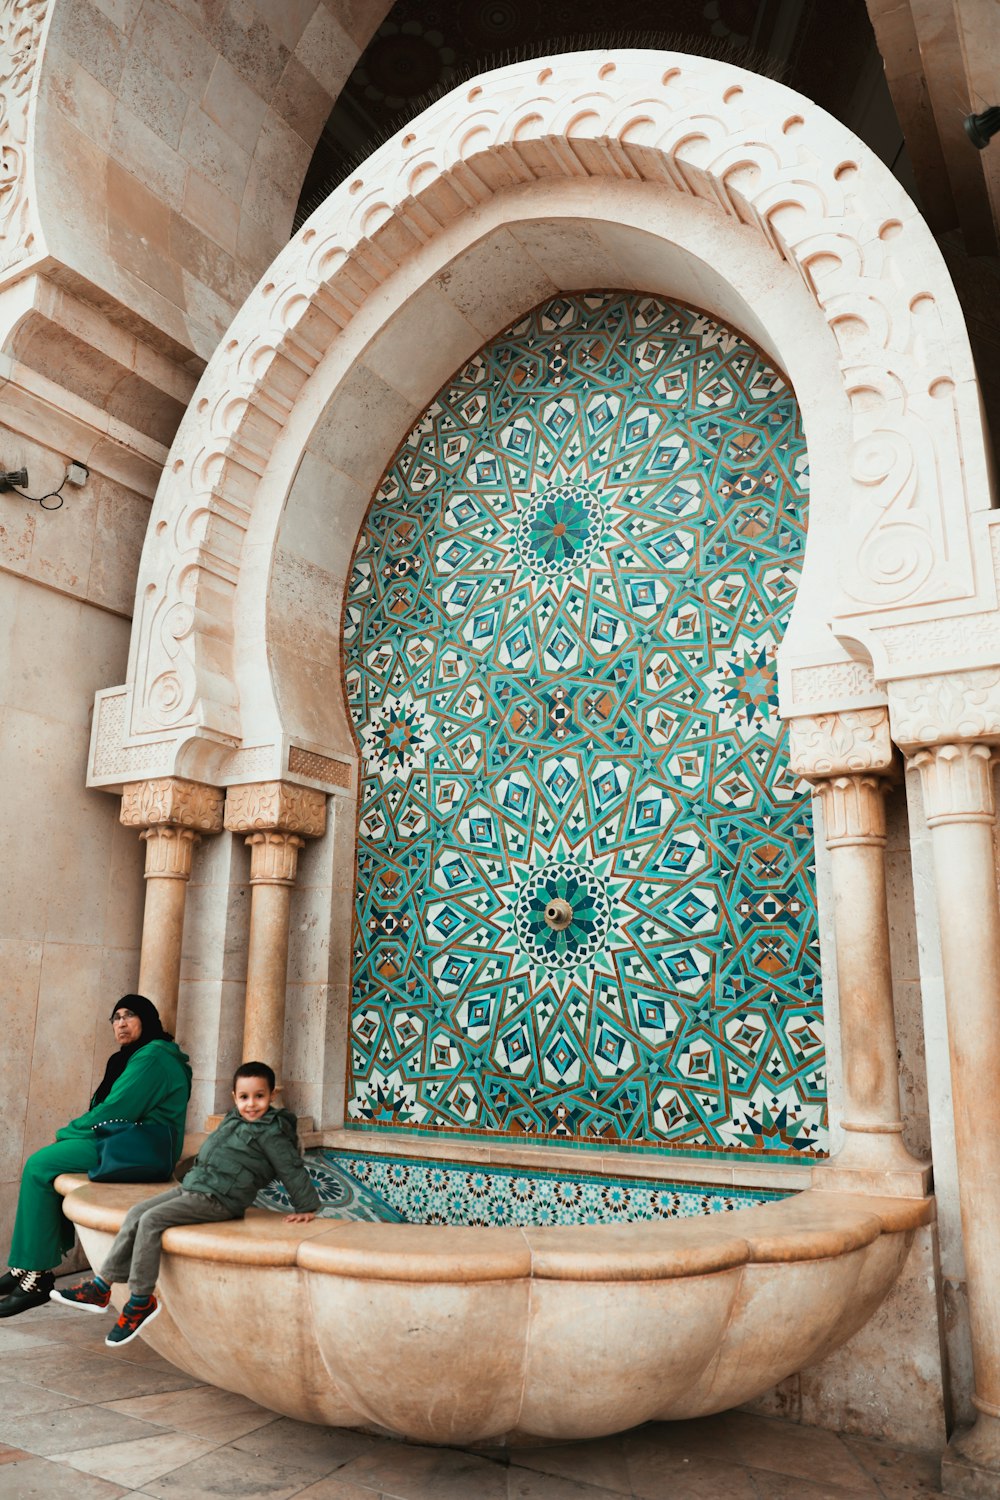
{"type": "Point", "coordinates": [753, 154]}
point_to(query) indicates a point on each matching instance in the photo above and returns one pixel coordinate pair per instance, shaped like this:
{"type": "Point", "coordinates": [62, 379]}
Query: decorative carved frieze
{"type": "Point", "coordinates": [957, 783]}
{"type": "Point", "coordinates": [172, 800]}
{"type": "Point", "coordinates": [274, 858]}
{"type": "Point", "coordinates": [836, 682]}
{"type": "Point", "coordinates": [276, 805]}
{"type": "Point", "coordinates": [942, 708]}
{"type": "Point", "coordinates": [21, 23]}
{"type": "Point", "coordinates": [837, 743]}
{"type": "Point", "coordinates": [853, 809]}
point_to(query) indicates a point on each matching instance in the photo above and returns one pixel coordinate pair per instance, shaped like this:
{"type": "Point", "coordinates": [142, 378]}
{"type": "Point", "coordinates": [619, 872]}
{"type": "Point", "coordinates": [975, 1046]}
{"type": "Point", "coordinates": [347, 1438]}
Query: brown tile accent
{"type": "Point", "coordinates": [319, 767]}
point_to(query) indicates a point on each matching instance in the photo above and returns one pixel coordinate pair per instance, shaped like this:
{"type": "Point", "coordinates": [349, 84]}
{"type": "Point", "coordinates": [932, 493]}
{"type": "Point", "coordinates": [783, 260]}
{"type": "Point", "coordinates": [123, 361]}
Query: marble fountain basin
{"type": "Point", "coordinates": [460, 1335]}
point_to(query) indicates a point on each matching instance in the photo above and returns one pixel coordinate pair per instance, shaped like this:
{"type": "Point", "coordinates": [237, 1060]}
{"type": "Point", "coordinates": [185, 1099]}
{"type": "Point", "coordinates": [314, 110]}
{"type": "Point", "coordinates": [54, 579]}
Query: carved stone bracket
{"type": "Point", "coordinates": [277, 805]}
{"type": "Point", "coordinates": [946, 708]}
{"type": "Point", "coordinates": [840, 744]}
{"type": "Point", "coordinates": [171, 800]}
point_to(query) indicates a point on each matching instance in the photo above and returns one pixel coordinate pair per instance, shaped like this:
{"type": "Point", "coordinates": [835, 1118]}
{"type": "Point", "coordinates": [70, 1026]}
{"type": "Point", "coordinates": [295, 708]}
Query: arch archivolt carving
{"type": "Point", "coordinates": [773, 183]}
{"type": "Point", "coordinates": [21, 26]}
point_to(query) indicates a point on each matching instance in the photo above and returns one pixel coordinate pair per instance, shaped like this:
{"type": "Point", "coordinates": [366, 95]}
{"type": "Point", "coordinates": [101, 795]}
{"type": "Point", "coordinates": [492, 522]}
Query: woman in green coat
{"type": "Point", "coordinates": [148, 1078]}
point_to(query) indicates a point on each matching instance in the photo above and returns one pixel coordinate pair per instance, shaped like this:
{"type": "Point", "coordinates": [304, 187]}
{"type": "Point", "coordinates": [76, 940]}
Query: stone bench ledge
{"type": "Point", "coordinates": [809, 1226]}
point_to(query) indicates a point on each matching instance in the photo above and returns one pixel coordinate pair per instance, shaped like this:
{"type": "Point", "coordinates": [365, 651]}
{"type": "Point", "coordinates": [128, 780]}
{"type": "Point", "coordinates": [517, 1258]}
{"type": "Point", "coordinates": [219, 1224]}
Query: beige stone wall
{"type": "Point", "coordinates": [71, 889]}
{"type": "Point", "coordinates": [171, 140]}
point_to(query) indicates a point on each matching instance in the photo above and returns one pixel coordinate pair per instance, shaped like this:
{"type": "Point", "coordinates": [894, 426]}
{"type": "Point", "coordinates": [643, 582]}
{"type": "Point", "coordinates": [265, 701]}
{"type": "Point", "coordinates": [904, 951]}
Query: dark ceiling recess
{"type": "Point", "coordinates": [422, 50]}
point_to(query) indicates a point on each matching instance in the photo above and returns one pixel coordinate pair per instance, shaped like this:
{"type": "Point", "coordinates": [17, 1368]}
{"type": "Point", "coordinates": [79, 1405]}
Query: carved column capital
{"type": "Point", "coordinates": [957, 782]}
{"type": "Point", "coordinates": [170, 800]}
{"type": "Point", "coordinates": [853, 809]}
{"type": "Point", "coordinates": [279, 805]}
{"type": "Point", "coordinates": [168, 851]}
{"type": "Point", "coordinates": [274, 857]}
{"type": "Point", "coordinates": [840, 744]}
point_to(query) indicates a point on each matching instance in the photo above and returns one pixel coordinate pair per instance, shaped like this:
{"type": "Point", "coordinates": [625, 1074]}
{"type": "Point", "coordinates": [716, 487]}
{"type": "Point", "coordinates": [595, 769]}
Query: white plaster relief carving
{"type": "Point", "coordinates": [773, 161]}
{"type": "Point", "coordinates": [962, 637]}
{"type": "Point", "coordinates": [837, 682]}
{"type": "Point", "coordinates": [21, 25]}
{"type": "Point", "coordinates": [837, 744]}
{"type": "Point", "coordinates": [936, 710]}
{"type": "Point", "coordinates": [111, 759]}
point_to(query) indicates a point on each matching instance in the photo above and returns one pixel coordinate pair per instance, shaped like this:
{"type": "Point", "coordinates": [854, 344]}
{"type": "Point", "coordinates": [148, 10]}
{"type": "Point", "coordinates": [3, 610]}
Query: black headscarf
{"type": "Point", "coordinates": [152, 1031]}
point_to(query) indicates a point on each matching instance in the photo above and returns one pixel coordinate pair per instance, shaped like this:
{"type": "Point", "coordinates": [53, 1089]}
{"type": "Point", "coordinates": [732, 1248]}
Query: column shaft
{"type": "Point", "coordinates": [168, 867]}
{"type": "Point", "coordinates": [865, 983]}
{"type": "Point", "coordinates": [958, 792]}
{"type": "Point", "coordinates": [874, 1156]}
{"type": "Point", "coordinates": [267, 969]}
{"type": "Point", "coordinates": [170, 813]}
{"type": "Point", "coordinates": [273, 862]}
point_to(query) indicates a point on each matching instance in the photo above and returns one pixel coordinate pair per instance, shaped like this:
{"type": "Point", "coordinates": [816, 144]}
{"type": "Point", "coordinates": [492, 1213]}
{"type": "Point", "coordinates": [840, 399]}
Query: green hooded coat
{"type": "Point", "coordinates": [242, 1156]}
{"type": "Point", "coordinates": [156, 1085]}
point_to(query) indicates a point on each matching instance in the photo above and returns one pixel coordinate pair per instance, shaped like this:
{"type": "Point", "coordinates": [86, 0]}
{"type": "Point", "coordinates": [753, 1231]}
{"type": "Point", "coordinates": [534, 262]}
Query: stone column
{"type": "Point", "coordinates": [848, 757]}
{"type": "Point", "coordinates": [277, 818]}
{"type": "Point", "coordinates": [172, 815]}
{"type": "Point", "coordinates": [957, 782]}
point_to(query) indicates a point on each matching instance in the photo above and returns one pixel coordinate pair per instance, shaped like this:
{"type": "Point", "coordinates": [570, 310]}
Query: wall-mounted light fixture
{"type": "Point", "coordinates": [982, 128]}
{"type": "Point", "coordinates": [16, 482]}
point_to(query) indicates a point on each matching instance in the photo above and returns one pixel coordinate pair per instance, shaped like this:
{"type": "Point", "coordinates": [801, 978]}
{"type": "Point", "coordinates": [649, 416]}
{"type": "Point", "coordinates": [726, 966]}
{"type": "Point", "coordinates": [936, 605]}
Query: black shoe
{"type": "Point", "coordinates": [31, 1291]}
{"type": "Point", "coordinates": [10, 1281]}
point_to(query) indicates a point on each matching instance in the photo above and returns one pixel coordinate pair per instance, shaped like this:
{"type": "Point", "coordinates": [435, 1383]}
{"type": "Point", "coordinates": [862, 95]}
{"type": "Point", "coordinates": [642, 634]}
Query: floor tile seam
{"type": "Point", "coordinates": [835, 1491]}
{"type": "Point", "coordinates": [853, 1492]}
{"type": "Point", "coordinates": [628, 1494]}
{"type": "Point", "coordinates": [837, 1437]}
{"type": "Point", "coordinates": [148, 1437]}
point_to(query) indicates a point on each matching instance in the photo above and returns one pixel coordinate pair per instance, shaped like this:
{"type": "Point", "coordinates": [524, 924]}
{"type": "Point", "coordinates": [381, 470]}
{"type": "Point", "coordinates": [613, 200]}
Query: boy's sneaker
{"type": "Point", "coordinates": [89, 1296]}
{"type": "Point", "coordinates": [135, 1313]}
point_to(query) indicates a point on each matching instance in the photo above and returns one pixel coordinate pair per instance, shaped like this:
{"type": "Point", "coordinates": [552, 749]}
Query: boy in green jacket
{"type": "Point", "coordinates": [254, 1144]}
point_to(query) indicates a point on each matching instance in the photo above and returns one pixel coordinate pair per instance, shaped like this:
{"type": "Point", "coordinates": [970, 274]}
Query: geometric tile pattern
{"type": "Point", "coordinates": [373, 1189]}
{"type": "Point", "coordinates": [423, 1192]}
{"type": "Point", "coordinates": [341, 1195]}
{"type": "Point", "coordinates": [586, 901]}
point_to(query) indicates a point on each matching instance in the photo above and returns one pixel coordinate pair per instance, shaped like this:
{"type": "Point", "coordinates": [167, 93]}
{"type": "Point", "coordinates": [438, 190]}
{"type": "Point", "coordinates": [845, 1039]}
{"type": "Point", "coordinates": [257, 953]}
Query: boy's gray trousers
{"type": "Point", "coordinates": [135, 1255]}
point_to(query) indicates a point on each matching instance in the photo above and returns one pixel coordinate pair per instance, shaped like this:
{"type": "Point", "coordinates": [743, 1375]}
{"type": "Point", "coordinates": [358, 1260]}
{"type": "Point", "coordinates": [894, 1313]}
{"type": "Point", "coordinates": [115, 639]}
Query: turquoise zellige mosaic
{"type": "Point", "coordinates": [586, 905]}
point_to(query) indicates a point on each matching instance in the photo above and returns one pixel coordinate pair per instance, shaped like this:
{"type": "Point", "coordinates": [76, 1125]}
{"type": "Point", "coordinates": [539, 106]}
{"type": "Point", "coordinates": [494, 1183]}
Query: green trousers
{"type": "Point", "coordinates": [42, 1235]}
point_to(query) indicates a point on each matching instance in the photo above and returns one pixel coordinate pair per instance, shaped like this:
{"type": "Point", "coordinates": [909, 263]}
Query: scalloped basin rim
{"type": "Point", "coordinates": [811, 1225]}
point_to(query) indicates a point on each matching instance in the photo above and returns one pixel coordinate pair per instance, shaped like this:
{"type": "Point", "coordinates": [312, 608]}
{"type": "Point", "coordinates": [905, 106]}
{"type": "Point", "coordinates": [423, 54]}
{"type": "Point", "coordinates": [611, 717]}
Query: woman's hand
{"type": "Point", "coordinates": [299, 1218]}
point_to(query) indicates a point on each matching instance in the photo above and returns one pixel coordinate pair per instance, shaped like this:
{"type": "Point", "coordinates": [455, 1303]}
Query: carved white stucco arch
{"type": "Point", "coordinates": [798, 234]}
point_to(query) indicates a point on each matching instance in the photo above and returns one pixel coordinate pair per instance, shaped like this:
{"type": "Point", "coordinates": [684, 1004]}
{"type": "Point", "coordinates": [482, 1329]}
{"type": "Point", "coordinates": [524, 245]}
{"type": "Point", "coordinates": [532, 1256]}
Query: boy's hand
{"type": "Point", "coordinates": [299, 1218]}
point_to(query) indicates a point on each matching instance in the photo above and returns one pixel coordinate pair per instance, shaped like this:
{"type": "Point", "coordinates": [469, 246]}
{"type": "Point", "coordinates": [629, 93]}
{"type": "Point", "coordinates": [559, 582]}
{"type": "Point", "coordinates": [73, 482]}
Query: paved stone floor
{"type": "Point", "coordinates": [88, 1423]}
